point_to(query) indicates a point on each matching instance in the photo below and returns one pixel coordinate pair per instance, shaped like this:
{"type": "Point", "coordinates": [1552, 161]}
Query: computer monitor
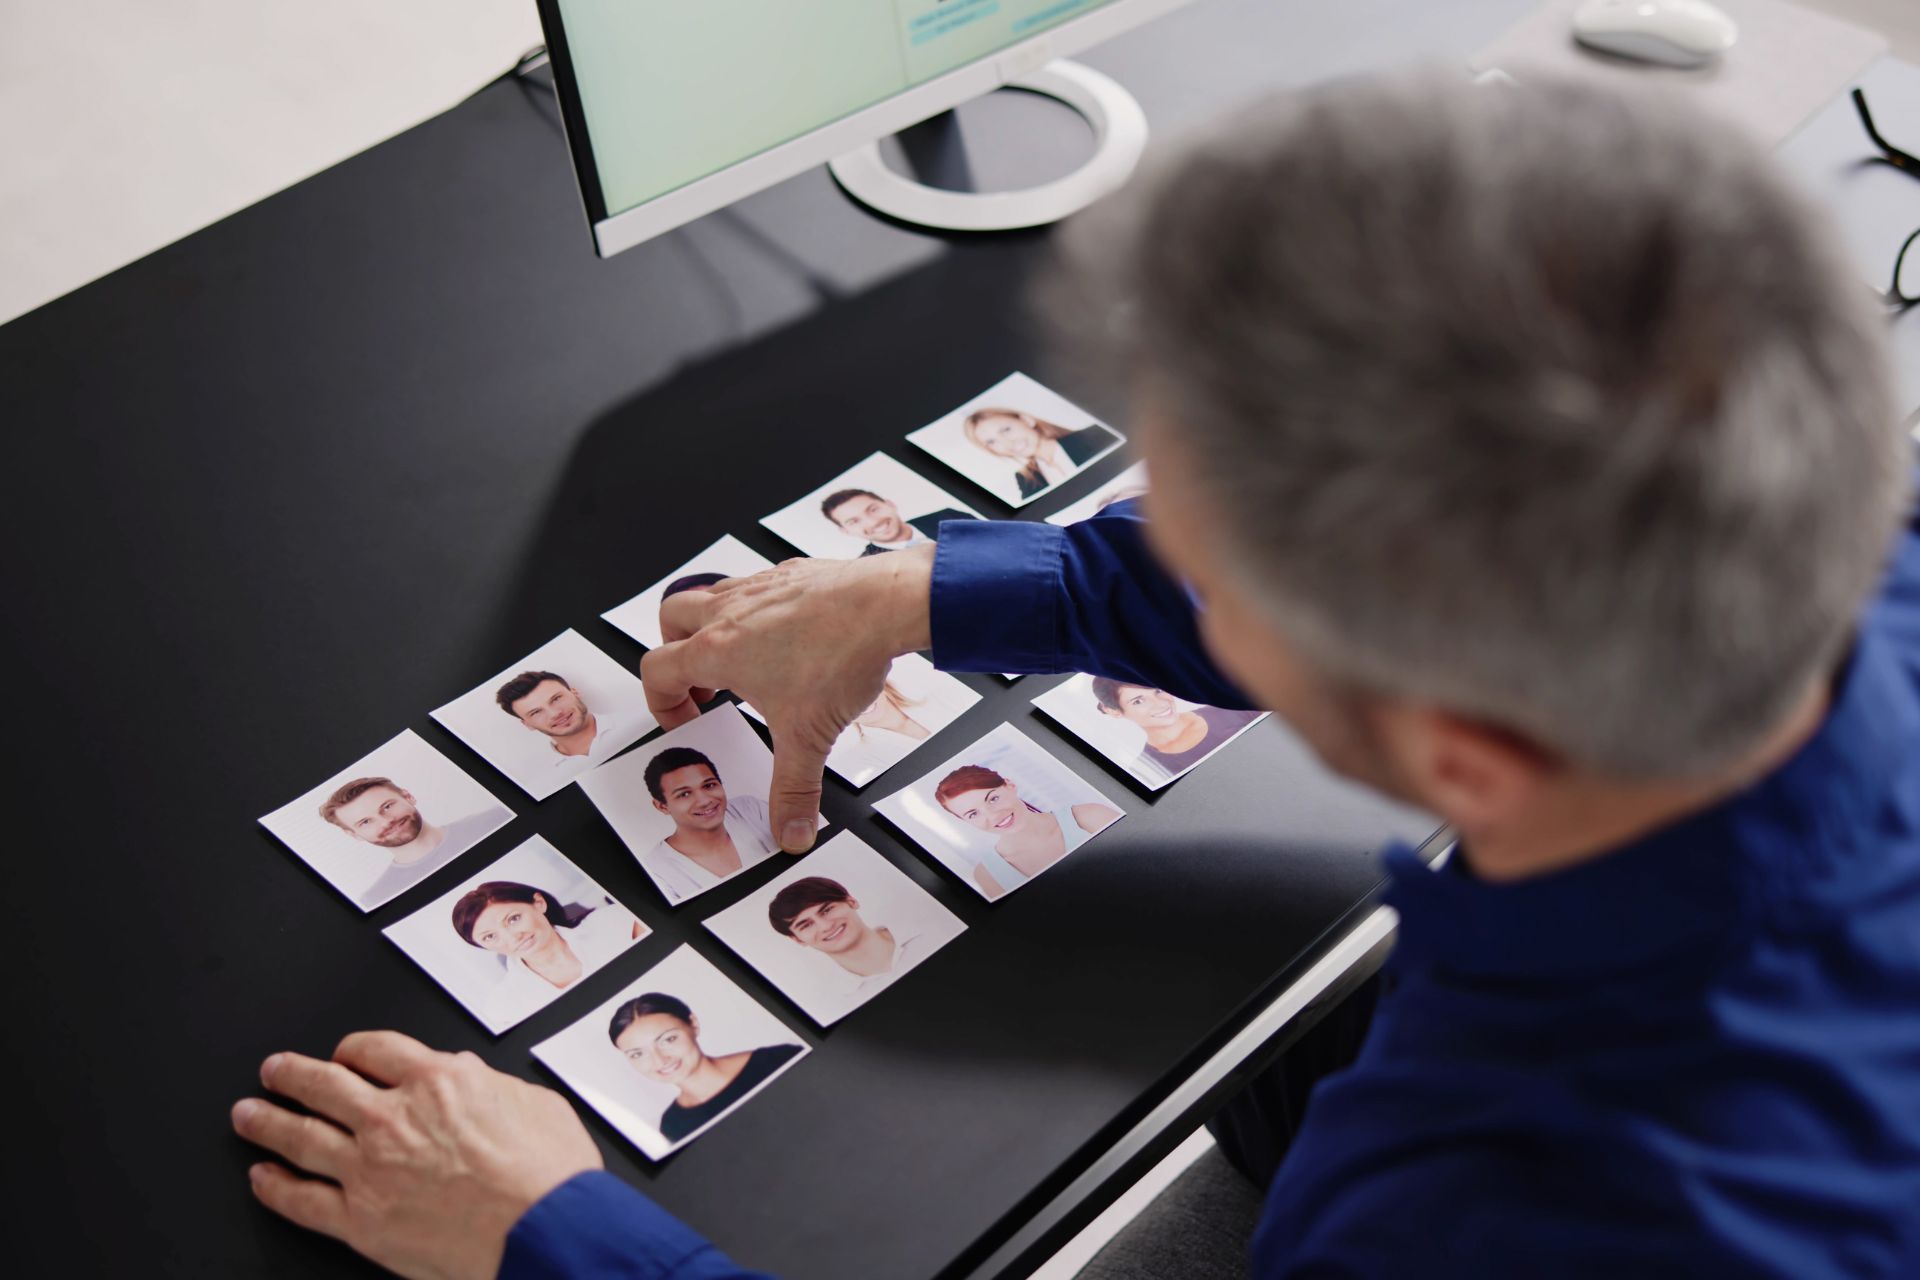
{"type": "Point", "coordinates": [673, 110]}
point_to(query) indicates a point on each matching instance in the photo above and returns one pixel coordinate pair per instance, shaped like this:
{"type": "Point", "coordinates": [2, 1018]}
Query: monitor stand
{"type": "Point", "coordinates": [1119, 134]}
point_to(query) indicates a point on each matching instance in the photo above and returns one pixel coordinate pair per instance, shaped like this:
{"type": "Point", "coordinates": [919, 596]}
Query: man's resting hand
{"type": "Point", "coordinates": [808, 643]}
{"type": "Point", "coordinates": [422, 1161]}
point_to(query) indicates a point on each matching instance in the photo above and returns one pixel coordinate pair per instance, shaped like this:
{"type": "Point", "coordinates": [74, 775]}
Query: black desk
{"type": "Point", "coordinates": [284, 486]}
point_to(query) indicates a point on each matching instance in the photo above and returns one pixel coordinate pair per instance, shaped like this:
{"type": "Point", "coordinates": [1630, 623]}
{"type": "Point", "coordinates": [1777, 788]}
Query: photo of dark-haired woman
{"type": "Point", "coordinates": [673, 1053]}
{"type": "Point", "coordinates": [507, 942]}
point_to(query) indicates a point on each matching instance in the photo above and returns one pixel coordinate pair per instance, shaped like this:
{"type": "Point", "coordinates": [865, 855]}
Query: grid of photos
{"type": "Point", "coordinates": [1130, 483]}
{"type": "Point", "coordinates": [875, 506]}
{"type": "Point", "coordinates": [509, 940]}
{"type": "Point", "coordinates": [692, 804]}
{"type": "Point", "coordinates": [388, 821]}
{"type": "Point", "coordinates": [1153, 735]}
{"type": "Point", "coordinates": [838, 929]}
{"type": "Point", "coordinates": [549, 718]}
{"type": "Point", "coordinates": [675, 1052]}
{"type": "Point", "coordinates": [1018, 440]}
{"type": "Point", "coordinates": [727, 558]}
{"type": "Point", "coordinates": [682, 1046]}
{"type": "Point", "coordinates": [1001, 812]}
{"type": "Point", "coordinates": [917, 702]}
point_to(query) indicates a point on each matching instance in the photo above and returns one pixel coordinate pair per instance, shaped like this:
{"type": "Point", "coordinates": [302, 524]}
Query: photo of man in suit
{"type": "Point", "coordinates": [864, 514]}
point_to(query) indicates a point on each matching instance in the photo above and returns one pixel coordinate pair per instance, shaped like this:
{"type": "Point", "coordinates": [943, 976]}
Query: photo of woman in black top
{"type": "Point", "coordinates": [659, 1036]}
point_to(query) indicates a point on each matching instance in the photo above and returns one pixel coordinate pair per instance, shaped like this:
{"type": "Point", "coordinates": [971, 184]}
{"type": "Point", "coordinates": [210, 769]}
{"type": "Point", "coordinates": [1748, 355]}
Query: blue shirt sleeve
{"type": "Point", "coordinates": [1018, 596]}
{"type": "Point", "coordinates": [595, 1227]}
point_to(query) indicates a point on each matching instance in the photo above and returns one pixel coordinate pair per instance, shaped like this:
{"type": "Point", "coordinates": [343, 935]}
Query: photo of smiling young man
{"type": "Point", "coordinates": [692, 806]}
{"type": "Point", "coordinates": [564, 709]}
{"type": "Point", "coordinates": [1150, 733]}
{"type": "Point", "coordinates": [672, 1054]}
{"type": "Point", "coordinates": [511, 939]}
{"type": "Point", "coordinates": [873, 507]}
{"type": "Point", "coordinates": [837, 929]}
{"type": "Point", "coordinates": [392, 819]}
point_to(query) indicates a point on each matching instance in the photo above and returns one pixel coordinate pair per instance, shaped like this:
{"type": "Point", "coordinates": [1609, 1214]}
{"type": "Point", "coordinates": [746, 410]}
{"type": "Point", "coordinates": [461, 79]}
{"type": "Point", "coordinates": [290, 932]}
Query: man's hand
{"type": "Point", "coordinates": [428, 1158]}
{"type": "Point", "coordinates": [808, 643]}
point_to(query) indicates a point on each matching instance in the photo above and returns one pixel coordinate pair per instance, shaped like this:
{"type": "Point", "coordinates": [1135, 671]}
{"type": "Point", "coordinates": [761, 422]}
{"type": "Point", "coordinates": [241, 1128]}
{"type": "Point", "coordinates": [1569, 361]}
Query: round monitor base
{"type": "Point", "coordinates": [1119, 136]}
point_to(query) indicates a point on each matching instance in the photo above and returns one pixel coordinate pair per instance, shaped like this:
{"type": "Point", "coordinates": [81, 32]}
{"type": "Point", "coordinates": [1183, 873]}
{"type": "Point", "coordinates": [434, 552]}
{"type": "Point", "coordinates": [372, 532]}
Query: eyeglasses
{"type": "Point", "coordinates": [1905, 290]}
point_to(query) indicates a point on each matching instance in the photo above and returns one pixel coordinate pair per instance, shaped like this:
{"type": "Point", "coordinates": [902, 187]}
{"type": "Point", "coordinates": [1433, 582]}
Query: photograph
{"type": "Point", "coordinates": [692, 804]}
{"type": "Point", "coordinates": [1000, 812]}
{"type": "Point", "coordinates": [1018, 440]}
{"type": "Point", "coordinates": [727, 558]}
{"type": "Point", "coordinates": [1130, 483]}
{"type": "Point", "coordinates": [393, 818]}
{"type": "Point", "coordinates": [872, 507]}
{"type": "Point", "coordinates": [916, 702]}
{"type": "Point", "coordinates": [560, 711]}
{"type": "Point", "coordinates": [513, 937]}
{"type": "Point", "coordinates": [679, 1048]}
{"type": "Point", "coordinates": [1151, 734]}
{"type": "Point", "coordinates": [836, 929]}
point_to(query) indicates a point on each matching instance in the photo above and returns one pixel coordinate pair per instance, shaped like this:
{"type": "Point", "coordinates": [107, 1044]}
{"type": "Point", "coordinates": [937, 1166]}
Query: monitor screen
{"type": "Point", "coordinates": [672, 92]}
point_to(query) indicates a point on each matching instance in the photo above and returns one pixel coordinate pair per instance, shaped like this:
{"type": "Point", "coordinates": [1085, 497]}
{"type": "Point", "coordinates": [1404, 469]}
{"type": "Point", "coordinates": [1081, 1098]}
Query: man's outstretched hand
{"type": "Point", "coordinates": [808, 643]}
{"type": "Point", "coordinates": [420, 1160]}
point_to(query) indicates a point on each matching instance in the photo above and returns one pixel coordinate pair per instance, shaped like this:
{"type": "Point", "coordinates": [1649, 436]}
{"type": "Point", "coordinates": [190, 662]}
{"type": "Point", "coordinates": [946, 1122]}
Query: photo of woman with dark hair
{"type": "Point", "coordinates": [659, 1037]}
{"type": "Point", "coordinates": [523, 931]}
{"type": "Point", "coordinates": [672, 1052]}
{"type": "Point", "coordinates": [1154, 735]}
{"type": "Point", "coordinates": [1177, 736]}
{"type": "Point", "coordinates": [544, 947]}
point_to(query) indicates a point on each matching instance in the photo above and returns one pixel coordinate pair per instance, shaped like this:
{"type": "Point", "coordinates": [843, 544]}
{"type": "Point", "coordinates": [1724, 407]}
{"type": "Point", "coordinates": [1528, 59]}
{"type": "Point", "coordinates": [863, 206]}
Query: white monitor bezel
{"type": "Point", "coordinates": [615, 232]}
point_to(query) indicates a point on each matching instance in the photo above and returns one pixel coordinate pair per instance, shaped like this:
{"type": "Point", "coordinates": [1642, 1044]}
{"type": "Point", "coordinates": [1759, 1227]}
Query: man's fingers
{"type": "Point", "coordinates": [685, 612]}
{"type": "Point", "coordinates": [308, 1202]}
{"type": "Point", "coordinates": [672, 680]}
{"type": "Point", "coordinates": [798, 761]}
{"type": "Point", "coordinates": [386, 1056]}
{"type": "Point", "coordinates": [306, 1141]}
{"type": "Point", "coordinates": [325, 1087]}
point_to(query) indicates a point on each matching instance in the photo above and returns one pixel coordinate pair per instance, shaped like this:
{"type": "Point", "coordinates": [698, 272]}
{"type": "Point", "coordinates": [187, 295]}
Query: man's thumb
{"type": "Point", "coordinates": [795, 797]}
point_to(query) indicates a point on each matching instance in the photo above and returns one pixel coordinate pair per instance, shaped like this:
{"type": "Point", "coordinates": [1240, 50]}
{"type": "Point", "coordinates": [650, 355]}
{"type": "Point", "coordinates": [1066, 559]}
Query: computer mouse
{"type": "Point", "coordinates": [1674, 33]}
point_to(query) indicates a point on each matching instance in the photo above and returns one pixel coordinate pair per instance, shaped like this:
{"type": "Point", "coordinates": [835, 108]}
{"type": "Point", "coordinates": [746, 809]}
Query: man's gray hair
{"type": "Point", "coordinates": [1545, 405]}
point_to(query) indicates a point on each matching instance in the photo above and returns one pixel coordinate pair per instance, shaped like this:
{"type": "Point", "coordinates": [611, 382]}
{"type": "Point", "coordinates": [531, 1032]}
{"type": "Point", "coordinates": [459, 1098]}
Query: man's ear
{"type": "Point", "coordinates": [405, 794]}
{"type": "Point", "coordinates": [1106, 710]}
{"type": "Point", "coordinates": [853, 904]}
{"type": "Point", "coordinates": [1473, 773]}
{"type": "Point", "coordinates": [658, 805]}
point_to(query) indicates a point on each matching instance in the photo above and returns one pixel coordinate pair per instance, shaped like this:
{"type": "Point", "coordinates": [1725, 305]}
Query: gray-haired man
{"type": "Point", "coordinates": [1533, 456]}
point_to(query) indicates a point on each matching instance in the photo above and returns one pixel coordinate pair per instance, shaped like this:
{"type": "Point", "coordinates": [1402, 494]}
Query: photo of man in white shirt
{"type": "Point", "coordinates": [838, 929]}
{"type": "Point", "coordinates": [548, 703]}
{"type": "Point", "coordinates": [378, 811]}
{"type": "Point", "coordinates": [821, 915]}
{"type": "Point", "coordinates": [714, 837]}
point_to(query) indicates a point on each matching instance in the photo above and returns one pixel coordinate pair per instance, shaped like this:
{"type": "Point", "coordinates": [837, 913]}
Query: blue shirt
{"type": "Point", "coordinates": [1696, 1056]}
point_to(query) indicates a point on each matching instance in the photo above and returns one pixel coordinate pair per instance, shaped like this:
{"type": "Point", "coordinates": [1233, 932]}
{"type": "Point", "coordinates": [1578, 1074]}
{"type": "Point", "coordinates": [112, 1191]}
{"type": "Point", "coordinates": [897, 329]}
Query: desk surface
{"type": "Point", "coordinates": [291, 482]}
